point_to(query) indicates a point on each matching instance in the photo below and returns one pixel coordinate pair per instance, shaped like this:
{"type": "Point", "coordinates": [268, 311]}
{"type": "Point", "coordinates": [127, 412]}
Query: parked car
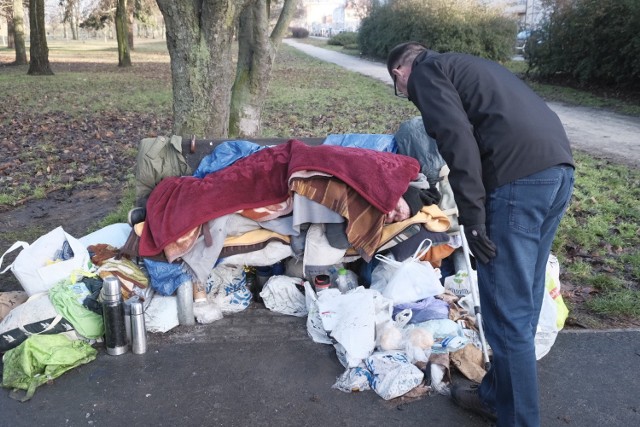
{"type": "Point", "coordinates": [521, 40]}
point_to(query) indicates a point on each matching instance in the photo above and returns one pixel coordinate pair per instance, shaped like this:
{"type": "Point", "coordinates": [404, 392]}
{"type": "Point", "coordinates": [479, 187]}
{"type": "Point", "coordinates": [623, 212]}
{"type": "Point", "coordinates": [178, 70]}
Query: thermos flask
{"type": "Point", "coordinates": [115, 334]}
{"type": "Point", "coordinates": [138, 330]}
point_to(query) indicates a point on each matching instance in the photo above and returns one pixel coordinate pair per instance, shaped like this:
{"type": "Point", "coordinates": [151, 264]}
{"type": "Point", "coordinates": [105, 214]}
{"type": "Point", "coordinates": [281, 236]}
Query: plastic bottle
{"type": "Point", "coordinates": [185, 303]}
{"type": "Point", "coordinates": [346, 280]}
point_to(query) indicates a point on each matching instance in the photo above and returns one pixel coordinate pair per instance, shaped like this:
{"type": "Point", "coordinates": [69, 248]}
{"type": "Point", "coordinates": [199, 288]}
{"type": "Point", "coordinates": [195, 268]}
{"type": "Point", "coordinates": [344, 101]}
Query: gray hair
{"type": "Point", "coordinates": [403, 53]}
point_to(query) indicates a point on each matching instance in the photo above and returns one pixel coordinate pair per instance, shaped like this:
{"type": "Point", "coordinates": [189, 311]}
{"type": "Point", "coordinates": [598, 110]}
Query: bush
{"type": "Point", "coordinates": [593, 42]}
{"type": "Point", "coordinates": [459, 26]}
{"type": "Point", "coordinates": [343, 39]}
{"type": "Point", "coordinates": [299, 33]}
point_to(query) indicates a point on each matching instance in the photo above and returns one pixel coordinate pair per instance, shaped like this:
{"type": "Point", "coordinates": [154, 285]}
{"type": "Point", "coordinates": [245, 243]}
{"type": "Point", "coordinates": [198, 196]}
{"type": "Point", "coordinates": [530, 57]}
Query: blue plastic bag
{"type": "Point", "coordinates": [165, 277]}
{"type": "Point", "coordinates": [378, 142]}
{"type": "Point", "coordinates": [225, 154]}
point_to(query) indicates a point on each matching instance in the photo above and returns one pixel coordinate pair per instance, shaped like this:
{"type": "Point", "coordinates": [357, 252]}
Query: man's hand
{"type": "Point", "coordinates": [479, 244]}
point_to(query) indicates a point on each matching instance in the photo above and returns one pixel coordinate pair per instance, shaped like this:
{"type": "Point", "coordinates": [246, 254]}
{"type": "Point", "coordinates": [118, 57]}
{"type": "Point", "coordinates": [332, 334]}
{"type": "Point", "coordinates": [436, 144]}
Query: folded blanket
{"type": "Point", "coordinates": [178, 204]}
{"type": "Point", "coordinates": [364, 222]}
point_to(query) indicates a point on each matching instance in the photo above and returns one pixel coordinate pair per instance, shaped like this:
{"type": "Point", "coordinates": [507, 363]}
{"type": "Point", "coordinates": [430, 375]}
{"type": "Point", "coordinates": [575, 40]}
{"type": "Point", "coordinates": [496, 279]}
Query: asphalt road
{"type": "Point", "coordinates": [259, 368]}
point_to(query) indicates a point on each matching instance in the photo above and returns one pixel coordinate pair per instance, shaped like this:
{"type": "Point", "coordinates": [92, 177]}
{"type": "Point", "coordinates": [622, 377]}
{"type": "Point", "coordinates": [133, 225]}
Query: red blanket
{"type": "Point", "coordinates": [178, 204]}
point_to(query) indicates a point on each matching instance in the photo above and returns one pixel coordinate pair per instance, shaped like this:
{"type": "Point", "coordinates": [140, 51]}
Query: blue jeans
{"type": "Point", "coordinates": [522, 219]}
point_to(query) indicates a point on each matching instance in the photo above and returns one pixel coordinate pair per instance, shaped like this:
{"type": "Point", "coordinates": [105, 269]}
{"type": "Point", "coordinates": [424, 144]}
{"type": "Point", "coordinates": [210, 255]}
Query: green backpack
{"type": "Point", "coordinates": [41, 358]}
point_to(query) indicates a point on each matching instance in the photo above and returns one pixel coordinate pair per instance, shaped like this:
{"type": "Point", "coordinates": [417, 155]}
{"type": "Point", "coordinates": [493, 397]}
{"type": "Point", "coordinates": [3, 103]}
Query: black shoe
{"type": "Point", "coordinates": [467, 397]}
{"type": "Point", "coordinates": [136, 215]}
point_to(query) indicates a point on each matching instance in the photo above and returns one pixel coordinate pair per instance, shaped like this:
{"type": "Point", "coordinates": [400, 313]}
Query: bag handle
{"type": "Point", "coordinates": [419, 253]}
{"type": "Point", "coordinates": [16, 245]}
{"type": "Point", "coordinates": [51, 325]}
{"type": "Point", "coordinates": [388, 260]}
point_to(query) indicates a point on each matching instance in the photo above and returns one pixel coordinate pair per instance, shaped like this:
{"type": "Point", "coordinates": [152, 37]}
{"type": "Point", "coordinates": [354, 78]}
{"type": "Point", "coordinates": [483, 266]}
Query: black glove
{"type": "Point", "coordinates": [430, 196]}
{"type": "Point", "coordinates": [479, 244]}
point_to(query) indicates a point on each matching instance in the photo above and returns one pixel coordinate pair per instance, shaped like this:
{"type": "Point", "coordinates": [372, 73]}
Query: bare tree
{"type": "Point", "coordinates": [71, 15]}
{"type": "Point", "coordinates": [122, 34]}
{"type": "Point", "coordinates": [6, 13]}
{"type": "Point", "coordinates": [257, 48]}
{"type": "Point", "coordinates": [361, 8]}
{"type": "Point", "coordinates": [199, 37]}
{"type": "Point", "coordinates": [39, 51]}
{"type": "Point", "coordinates": [18, 33]}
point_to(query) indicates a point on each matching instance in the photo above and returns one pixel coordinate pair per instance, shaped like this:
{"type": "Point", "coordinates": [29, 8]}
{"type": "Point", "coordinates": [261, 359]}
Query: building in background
{"type": "Point", "coordinates": [325, 18]}
{"type": "Point", "coordinates": [528, 12]}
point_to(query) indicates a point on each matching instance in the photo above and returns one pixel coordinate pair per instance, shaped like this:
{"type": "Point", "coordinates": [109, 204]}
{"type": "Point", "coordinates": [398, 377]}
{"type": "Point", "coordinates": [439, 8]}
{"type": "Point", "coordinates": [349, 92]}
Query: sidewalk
{"type": "Point", "coordinates": [261, 369]}
{"type": "Point", "coordinates": [608, 135]}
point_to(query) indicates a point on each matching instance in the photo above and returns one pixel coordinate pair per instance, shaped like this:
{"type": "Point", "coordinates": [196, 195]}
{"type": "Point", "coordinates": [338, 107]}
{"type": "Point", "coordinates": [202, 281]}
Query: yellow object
{"type": "Point", "coordinates": [552, 286]}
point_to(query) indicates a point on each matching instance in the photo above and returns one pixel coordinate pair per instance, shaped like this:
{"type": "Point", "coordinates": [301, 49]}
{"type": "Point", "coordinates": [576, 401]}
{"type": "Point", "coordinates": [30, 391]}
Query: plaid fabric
{"type": "Point", "coordinates": [364, 222]}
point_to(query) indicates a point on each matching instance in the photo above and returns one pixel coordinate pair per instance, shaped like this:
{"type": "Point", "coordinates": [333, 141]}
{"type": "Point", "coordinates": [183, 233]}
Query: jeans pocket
{"type": "Point", "coordinates": [530, 201]}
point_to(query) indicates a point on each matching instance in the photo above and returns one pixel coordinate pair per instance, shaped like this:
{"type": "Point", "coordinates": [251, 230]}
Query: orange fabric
{"type": "Point", "coordinates": [184, 244]}
{"type": "Point", "coordinates": [437, 253]}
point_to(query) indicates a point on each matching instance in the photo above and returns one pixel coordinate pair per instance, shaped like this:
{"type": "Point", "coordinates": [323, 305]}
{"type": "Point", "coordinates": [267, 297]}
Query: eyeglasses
{"type": "Point", "coordinates": [395, 85]}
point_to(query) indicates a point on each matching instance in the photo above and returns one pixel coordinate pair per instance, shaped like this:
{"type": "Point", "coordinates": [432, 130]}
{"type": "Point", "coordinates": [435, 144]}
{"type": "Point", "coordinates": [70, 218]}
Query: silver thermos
{"type": "Point", "coordinates": [115, 335]}
{"type": "Point", "coordinates": [138, 330]}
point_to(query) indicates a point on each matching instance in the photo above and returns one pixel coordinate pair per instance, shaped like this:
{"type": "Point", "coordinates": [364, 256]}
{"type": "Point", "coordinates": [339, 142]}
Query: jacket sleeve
{"type": "Point", "coordinates": [446, 120]}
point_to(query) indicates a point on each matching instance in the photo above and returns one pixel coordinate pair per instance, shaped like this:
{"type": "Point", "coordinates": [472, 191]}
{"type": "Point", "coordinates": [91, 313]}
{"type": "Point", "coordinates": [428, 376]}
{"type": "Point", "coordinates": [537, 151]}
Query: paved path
{"type": "Point", "coordinates": [604, 134]}
{"type": "Point", "coordinates": [258, 368]}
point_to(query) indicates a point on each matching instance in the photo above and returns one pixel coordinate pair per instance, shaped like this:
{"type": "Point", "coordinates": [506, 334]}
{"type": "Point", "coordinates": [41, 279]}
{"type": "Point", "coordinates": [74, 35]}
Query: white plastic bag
{"type": "Point", "coordinates": [280, 294]}
{"type": "Point", "coordinates": [162, 314]}
{"type": "Point", "coordinates": [459, 284]}
{"type": "Point", "coordinates": [227, 288]}
{"type": "Point", "coordinates": [393, 375]}
{"type": "Point", "coordinates": [553, 312]}
{"type": "Point", "coordinates": [315, 329]}
{"type": "Point", "coordinates": [34, 267]}
{"type": "Point", "coordinates": [353, 380]}
{"type": "Point", "coordinates": [413, 280]}
{"type": "Point", "coordinates": [35, 316]}
{"type": "Point", "coordinates": [351, 319]}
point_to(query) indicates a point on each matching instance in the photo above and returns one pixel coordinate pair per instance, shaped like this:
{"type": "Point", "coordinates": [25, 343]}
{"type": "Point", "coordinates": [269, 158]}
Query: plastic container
{"type": "Point", "coordinates": [346, 280]}
{"type": "Point", "coordinates": [185, 303]}
{"type": "Point", "coordinates": [321, 282]}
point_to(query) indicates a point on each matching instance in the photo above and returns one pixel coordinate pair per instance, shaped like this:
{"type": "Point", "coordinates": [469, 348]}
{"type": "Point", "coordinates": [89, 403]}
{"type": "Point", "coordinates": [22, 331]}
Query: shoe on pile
{"type": "Point", "coordinates": [136, 216]}
{"type": "Point", "coordinates": [466, 396]}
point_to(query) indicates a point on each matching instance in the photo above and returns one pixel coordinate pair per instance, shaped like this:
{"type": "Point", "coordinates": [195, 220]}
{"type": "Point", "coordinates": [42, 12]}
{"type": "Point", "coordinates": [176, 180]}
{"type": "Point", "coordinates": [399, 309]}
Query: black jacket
{"type": "Point", "coordinates": [490, 127]}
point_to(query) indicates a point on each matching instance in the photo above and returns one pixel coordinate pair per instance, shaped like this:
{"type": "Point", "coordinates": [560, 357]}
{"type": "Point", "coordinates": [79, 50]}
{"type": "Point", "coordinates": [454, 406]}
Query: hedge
{"type": "Point", "coordinates": [452, 26]}
{"type": "Point", "coordinates": [591, 41]}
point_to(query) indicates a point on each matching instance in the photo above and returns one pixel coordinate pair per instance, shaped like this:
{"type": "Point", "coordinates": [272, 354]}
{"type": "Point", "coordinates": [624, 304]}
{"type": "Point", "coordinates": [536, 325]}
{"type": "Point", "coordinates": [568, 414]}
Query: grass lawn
{"type": "Point", "coordinates": [89, 99]}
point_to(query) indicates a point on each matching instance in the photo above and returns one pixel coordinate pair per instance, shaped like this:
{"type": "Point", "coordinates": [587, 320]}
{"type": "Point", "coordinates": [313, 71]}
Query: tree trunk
{"type": "Point", "coordinates": [74, 32]}
{"type": "Point", "coordinates": [39, 51]}
{"type": "Point", "coordinates": [199, 36]}
{"type": "Point", "coordinates": [18, 28]}
{"type": "Point", "coordinates": [122, 34]}
{"type": "Point", "coordinates": [130, 30]}
{"type": "Point", "coordinates": [256, 53]}
{"type": "Point", "coordinates": [11, 42]}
